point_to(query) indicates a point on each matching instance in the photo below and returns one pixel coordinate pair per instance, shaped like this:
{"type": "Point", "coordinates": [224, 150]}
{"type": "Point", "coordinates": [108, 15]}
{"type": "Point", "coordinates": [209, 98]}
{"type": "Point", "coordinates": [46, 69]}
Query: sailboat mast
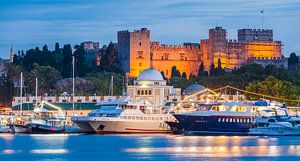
{"type": "Point", "coordinates": [73, 88]}
{"type": "Point", "coordinates": [112, 85]}
{"type": "Point", "coordinates": [36, 91]}
{"type": "Point", "coordinates": [21, 93]}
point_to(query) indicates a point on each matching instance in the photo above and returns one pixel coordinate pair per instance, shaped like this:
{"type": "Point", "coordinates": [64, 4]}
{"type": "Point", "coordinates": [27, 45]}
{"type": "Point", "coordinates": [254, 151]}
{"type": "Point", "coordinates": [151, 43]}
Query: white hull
{"type": "Point", "coordinates": [5, 129]}
{"type": "Point", "coordinates": [19, 129]}
{"type": "Point", "coordinates": [83, 123]}
{"type": "Point", "coordinates": [129, 126]}
{"type": "Point", "coordinates": [278, 131]}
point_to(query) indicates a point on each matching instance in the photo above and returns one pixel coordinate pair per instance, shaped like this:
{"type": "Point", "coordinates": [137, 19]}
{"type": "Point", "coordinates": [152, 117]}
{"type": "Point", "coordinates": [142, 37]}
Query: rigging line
{"type": "Point", "coordinates": [258, 94]}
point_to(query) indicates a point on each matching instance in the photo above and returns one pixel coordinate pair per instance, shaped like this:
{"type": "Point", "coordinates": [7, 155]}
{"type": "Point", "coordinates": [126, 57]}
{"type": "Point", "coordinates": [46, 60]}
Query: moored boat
{"type": "Point", "coordinates": [226, 118]}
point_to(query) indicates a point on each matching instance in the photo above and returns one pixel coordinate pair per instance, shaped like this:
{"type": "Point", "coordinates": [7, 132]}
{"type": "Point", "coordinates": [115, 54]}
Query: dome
{"type": "Point", "coordinates": [194, 88]}
{"type": "Point", "coordinates": [150, 74]}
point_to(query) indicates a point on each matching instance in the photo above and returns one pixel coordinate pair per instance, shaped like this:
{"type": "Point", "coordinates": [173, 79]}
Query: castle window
{"type": "Point", "coordinates": [140, 64]}
{"type": "Point", "coordinates": [182, 56]}
{"type": "Point", "coordinates": [185, 58]}
{"type": "Point", "coordinates": [140, 43]}
{"type": "Point", "coordinates": [138, 92]}
{"type": "Point", "coordinates": [166, 56]}
{"type": "Point", "coordinates": [142, 92]}
{"type": "Point", "coordinates": [162, 58]}
{"type": "Point", "coordinates": [146, 92]}
{"type": "Point", "coordinates": [150, 92]}
{"type": "Point", "coordinates": [140, 54]}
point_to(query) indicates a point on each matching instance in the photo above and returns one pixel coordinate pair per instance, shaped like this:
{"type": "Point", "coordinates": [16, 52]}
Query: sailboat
{"type": "Point", "coordinates": [18, 125]}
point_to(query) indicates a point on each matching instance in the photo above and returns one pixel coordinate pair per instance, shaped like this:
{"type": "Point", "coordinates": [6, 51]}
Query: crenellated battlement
{"type": "Point", "coordinates": [174, 48]}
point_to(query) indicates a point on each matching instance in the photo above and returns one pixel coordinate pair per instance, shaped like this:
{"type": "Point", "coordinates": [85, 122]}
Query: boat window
{"type": "Point", "coordinates": [223, 120]}
{"type": "Point", "coordinates": [230, 120]}
{"type": "Point", "coordinates": [272, 120]}
{"type": "Point", "coordinates": [237, 120]}
{"type": "Point", "coordinates": [238, 109]}
{"type": "Point", "coordinates": [219, 120]}
{"type": "Point", "coordinates": [233, 120]}
{"type": "Point", "coordinates": [226, 119]}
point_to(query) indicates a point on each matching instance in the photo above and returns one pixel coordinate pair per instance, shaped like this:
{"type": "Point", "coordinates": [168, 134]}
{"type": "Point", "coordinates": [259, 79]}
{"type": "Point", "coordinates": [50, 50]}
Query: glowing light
{"type": "Point", "coordinates": [8, 151]}
{"type": "Point", "coordinates": [49, 151]}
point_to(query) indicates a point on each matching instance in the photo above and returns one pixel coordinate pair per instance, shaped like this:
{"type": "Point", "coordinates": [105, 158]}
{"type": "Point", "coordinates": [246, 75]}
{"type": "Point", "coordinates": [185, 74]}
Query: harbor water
{"type": "Point", "coordinates": [80, 147]}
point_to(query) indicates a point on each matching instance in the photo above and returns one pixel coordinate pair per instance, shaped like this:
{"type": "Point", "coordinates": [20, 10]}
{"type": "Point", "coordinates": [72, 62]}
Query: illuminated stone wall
{"type": "Point", "coordinates": [138, 53]}
{"type": "Point", "coordinates": [263, 49]}
{"type": "Point", "coordinates": [186, 58]}
{"type": "Point", "coordinates": [134, 49]}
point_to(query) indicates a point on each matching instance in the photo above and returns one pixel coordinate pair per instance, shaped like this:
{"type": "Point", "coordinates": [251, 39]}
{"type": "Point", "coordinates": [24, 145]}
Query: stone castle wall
{"type": "Point", "coordinates": [138, 53]}
{"type": "Point", "coordinates": [186, 58]}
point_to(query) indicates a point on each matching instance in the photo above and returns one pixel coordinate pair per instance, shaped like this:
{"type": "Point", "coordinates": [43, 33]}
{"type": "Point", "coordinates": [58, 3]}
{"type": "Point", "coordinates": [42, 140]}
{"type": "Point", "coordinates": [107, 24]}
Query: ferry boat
{"type": "Point", "coordinates": [228, 118]}
{"type": "Point", "coordinates": [125, 117]}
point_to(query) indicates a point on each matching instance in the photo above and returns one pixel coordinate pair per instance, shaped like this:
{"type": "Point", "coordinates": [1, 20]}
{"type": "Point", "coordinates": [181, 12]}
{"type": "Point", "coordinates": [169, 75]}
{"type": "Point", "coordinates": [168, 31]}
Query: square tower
{"type": "Point", "coordinates": [134, 50]}
{"type": "Point", "coordinates": [218, 45]}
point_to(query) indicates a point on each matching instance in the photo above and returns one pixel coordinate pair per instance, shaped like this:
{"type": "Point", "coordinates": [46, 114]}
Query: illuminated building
{"type": "Point", "coordinates": [137, 52]}
{"type": "Point", "coordinates": [151, 87]}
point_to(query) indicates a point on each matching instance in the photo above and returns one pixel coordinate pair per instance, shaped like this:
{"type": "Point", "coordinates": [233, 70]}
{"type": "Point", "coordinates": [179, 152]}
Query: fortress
{"type": "Point", "coordinates": [137, 52]}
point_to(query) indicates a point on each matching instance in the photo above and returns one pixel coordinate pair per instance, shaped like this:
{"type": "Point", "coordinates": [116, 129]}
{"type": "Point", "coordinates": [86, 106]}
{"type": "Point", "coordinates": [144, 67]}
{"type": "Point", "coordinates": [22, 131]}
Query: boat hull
{"type": "Point", "coordinates": [84, 124]}
{"type": "Point", "coordinates": [127, 126]}
{"type": "Point", "coordinates": [275, 131]}
{"type": "Point", "coordinates": [16, 128]}
{"type": "Point", "coordinates": [44, 129]}
{"type": "Point", "coordinates": [198, 125]}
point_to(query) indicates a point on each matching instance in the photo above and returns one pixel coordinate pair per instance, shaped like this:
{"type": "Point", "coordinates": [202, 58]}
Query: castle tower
{"type": "Point", "coordinates": [218, 45]}
{"type": "Point", "coordinates": [11, 54]}
{"type": "Point", "coordinates": [134, 50]}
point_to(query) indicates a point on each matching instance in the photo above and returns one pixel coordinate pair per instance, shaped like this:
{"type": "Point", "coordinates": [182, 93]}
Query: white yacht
{"type": "Point", "coordinates": [142, 112]}
{"type": "Point", "coordinates": [275, 122]}
{"type": "Point", "coordinates": [125, 117]}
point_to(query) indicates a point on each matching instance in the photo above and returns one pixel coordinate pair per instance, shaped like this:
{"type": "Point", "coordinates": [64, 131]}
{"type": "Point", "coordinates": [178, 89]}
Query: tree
{"type": "Point", "coordinates": [273, 87]}
{"type": "Point", "coordinates": [66, 61]}
{"type": "Point", "coordinates": [80, 62]}
{"type": "Point", "coordinates": [201, 70]}
{"type": "Point", "coordinates": [184, 75]}
{"type": "Point", "coordinates": [47, 78]}
{"type": "Point", "coordinates": [163, 75]}
{"type": "Point", "coordinates": [293, 61]}
{"type": "Point", "coordinates": [175, 72]}
{"type": "Point", "coordinates": [110, 60]}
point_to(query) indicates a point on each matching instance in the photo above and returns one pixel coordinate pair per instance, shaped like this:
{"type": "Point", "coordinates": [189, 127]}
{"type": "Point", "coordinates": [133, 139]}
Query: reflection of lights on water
{"type": "Point", "coordinates": [49, 151]}
{"type": "Point", "coordinates": [178, 149]}
{"type": "Point", "coordinates": [7, 137]}
{"type": "Point", "coordinates": [8, 151]}
{"type": "Point", "coordinates": [222, 151]}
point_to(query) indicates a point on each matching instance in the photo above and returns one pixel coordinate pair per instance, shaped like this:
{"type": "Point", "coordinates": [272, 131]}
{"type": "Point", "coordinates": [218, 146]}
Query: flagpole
{"type": "Point", "coordinates": [262, 18]}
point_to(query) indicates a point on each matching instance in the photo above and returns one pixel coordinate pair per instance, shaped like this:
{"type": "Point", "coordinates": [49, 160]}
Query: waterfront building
{"type": "Point", "coordinates": [152, 88]}
{"type": "Point", "coordinates": [138, 53]}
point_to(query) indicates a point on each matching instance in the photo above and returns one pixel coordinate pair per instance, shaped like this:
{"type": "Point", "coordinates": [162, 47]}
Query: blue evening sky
{"type": "Point", "coordinates": [30, 23]}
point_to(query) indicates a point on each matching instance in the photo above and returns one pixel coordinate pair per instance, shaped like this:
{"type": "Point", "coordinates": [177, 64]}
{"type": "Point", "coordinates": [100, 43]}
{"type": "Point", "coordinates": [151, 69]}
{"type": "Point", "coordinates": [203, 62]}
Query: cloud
{"type": "Point", "coordinates": [30, 23]}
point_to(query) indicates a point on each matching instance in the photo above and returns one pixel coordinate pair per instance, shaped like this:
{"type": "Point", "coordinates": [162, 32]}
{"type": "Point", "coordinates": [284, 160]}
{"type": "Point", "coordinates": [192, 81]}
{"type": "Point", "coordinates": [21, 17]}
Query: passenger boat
{"type": "Point", "coordinates": [226, 118]}
{"type": "Point", "coordinates": [124, 117]}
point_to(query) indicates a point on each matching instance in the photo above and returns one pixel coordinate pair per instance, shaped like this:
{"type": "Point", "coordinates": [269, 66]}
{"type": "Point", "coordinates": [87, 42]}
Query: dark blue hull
{"type": "Point", "coordinates": [227, 125]}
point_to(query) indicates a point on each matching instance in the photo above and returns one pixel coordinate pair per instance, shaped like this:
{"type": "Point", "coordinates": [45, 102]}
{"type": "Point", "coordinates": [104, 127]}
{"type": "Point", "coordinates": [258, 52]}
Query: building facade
{"type": "Point", "coordinates": [137, 52]}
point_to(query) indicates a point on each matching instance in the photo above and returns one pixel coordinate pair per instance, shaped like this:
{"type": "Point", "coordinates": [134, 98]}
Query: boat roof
{"type": "Point", "coordinates": [111, 103]}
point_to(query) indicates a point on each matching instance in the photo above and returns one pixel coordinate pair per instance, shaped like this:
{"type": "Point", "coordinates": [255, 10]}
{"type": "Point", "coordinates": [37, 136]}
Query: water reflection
{"type": "Point", "coordinates": [223, 151]}
{"type": "Point", "coordinates": [218, 146]}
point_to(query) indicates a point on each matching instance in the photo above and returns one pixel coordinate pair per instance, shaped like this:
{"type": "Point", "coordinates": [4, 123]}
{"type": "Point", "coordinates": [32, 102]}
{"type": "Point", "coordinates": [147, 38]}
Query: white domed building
{"type": "Point", "coordinates": [150, 86]}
